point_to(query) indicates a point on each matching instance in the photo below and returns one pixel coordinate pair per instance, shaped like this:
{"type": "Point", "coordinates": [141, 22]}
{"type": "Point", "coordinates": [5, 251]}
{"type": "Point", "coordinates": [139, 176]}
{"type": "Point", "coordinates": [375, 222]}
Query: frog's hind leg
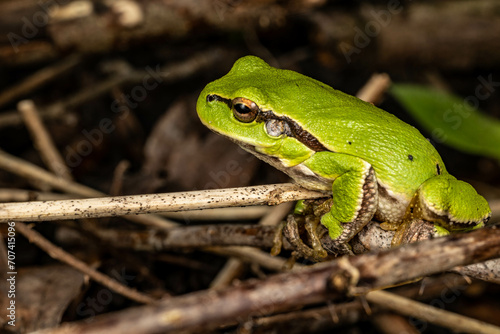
{"type": "Point", "coordinates": [451, 205]}
{"type": "Point", "coordinates": [349, 215]}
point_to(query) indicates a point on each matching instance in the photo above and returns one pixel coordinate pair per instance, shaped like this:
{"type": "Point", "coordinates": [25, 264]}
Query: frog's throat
{"type": "Point", "coordinates": [295, 130]}
{"type": "Point", "coordinates": [301, 174]}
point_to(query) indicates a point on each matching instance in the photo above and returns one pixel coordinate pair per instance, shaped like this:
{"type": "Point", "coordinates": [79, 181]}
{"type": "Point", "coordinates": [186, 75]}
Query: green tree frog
{"type": "Point", "coordinates": [373, 164]}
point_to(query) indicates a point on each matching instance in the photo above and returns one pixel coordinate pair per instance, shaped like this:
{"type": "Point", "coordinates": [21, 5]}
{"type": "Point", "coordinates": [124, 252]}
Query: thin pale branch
{"type": "Point", "coordinates": [141, 204]}
{"type": "Point", "coordinates": [253, 255]}
{"type": "Point", "coordinates": [23, 195]}
{"type": "Point", "coordinates": [42, 140]}
{"type": "Point", "coordinates": [30, 171]}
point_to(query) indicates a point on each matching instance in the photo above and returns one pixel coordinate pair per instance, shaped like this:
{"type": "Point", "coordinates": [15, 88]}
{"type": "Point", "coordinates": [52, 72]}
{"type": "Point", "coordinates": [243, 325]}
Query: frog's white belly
{"type": "Point", "coordinates": [391, 206]}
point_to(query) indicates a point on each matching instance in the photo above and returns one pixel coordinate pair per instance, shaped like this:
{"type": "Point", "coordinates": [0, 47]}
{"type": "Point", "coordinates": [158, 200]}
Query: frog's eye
{"type": "Point", "coordinates": [244, 110]}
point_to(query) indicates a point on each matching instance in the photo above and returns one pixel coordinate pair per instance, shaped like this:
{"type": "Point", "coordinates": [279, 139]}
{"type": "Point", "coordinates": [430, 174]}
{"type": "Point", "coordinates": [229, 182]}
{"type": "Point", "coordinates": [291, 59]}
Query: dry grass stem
{"type": "Point", "coordinates": [42, 140]}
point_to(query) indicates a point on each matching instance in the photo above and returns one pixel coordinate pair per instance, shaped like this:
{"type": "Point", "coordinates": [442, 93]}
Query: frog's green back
{"type": "Point", "coordinates": [400, 155]}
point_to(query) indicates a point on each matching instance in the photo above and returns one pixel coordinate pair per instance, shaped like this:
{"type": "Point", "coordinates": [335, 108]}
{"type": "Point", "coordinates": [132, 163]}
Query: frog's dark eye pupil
{"type": "Point", "coordinates": [244, 110]}
{"type": "Point", "coordinates": [211, 98]}
{"type": "Point", "coordinates": [241, 108]}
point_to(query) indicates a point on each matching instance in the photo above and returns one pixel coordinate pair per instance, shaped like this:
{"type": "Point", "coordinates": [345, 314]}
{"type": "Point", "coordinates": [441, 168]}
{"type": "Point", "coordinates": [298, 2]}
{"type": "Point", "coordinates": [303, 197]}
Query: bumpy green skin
{"type": "Point", "coordinates": [358, 137]}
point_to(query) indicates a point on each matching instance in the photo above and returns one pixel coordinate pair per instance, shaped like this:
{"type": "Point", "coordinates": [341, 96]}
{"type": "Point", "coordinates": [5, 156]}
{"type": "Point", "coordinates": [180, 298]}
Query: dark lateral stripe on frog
{"type": "Point", "coordinates": [296, 131]}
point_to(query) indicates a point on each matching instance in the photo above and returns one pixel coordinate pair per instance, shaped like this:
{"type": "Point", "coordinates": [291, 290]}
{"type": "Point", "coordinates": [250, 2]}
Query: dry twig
{"type": "Point", "coordinates": [140, 204]}
{"type": "Point", "coordinates": [30, 171]}
{"type": "Point", "coordinates": [191, 237]}
{"type": "Point", "coordinates": [429, 313]}
{"type": "Point", "coordinates": [331, 280]}
{"type": "Point", "coordinates": [23, 195]}
{"type": "Point", "coordinates": [42, 140]}
{"type": "Point", "coordinates": [227, 214]}
{"type": "Point", "coordinates": [196, 237]}
{"type": "Point", "coordinates": [234, 266]}
{"type": "Point", "coordinates": [59, 254]}
{"type": "Point", "coordinates": [375, 88]}
{"type": "Point", "coordinates": [254, 256]}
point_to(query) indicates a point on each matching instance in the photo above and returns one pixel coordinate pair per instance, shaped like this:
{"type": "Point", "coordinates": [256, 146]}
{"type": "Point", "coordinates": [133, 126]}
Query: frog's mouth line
{"type": "Point", "coordinates": [293, 128]}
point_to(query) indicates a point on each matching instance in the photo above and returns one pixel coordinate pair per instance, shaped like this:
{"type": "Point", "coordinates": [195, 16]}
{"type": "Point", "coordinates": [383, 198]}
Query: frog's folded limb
{"type": "Point", "coordinates": [453, 203]}
{"type": "Point", "coordinates": [450, 204]}
{"type": "Point", "coordinates": [355, 196]}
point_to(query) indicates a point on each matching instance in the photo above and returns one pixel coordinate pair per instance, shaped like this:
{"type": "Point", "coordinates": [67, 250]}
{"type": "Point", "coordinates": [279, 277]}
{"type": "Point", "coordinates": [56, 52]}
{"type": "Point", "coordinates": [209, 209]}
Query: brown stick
{"type": "Point", "coordinates": [327, 281]}
{"type": "Point", "coordinates": [196, 236]}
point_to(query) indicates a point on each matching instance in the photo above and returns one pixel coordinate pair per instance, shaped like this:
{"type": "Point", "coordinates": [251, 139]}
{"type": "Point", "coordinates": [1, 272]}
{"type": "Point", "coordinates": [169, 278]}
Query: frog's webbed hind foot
{"type": "Point", "coordinates": [308, 225]}
{"type": "Point", "coordinates": [335, 247]}
{"type": "Point", "coordinates": [304, 231]}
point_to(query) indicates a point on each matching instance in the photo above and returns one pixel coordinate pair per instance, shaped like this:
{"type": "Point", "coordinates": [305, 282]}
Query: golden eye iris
{"type": "Point", "coordinates": [244, 110]}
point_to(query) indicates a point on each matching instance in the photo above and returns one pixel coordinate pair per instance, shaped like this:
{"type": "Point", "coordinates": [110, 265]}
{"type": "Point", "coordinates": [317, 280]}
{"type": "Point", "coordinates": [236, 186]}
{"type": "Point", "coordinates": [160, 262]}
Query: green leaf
{"type": "Point", "coordinates": [451, 120]}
